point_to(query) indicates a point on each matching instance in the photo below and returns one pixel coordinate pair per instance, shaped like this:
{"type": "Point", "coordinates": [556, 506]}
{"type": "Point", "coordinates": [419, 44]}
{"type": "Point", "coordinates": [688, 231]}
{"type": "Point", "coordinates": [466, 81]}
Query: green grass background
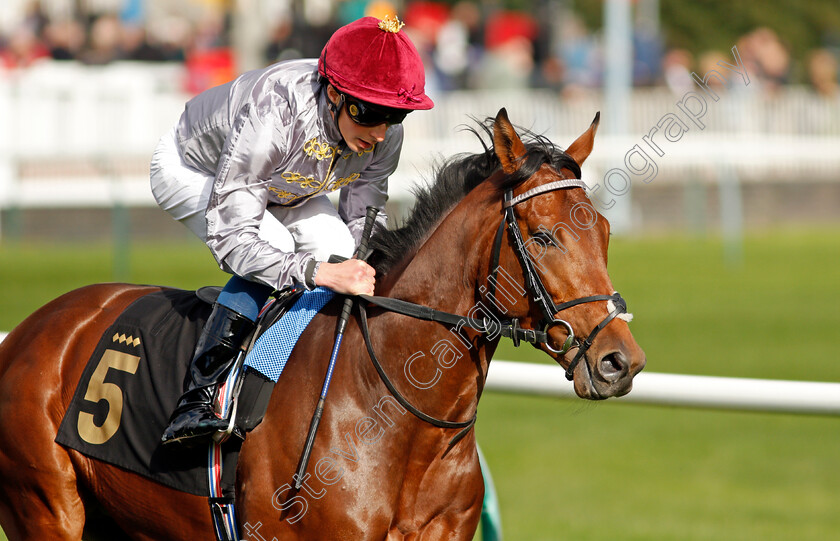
{"type": "Point", "coordinates": [575, 470]}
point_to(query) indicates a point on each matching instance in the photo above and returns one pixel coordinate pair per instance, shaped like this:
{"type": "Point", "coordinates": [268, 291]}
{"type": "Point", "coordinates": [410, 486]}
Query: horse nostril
{"type": "Point", "coordinates": [613, 365]}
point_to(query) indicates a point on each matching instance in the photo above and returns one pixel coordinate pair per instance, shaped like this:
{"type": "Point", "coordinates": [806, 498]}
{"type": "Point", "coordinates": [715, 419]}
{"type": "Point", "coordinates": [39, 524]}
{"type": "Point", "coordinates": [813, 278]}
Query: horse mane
{"type": "Point", "coordinates": [454, 178]}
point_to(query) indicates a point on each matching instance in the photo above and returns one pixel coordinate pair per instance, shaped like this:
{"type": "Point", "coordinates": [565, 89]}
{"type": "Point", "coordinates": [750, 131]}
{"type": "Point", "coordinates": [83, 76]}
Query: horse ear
{"type": "Point", "coordinates": [506, 142]}
{"type": "Point", "coordinates": [582, 147]}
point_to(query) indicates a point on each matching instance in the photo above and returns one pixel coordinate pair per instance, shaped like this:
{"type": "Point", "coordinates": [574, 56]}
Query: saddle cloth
{"type": "Point", "coordinates": [136, 375]}
{"type": "Point", "coordinates": [131, 385]}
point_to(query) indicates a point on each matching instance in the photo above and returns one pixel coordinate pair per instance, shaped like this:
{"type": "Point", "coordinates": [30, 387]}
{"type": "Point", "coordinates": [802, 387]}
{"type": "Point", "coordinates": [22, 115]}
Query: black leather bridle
{"type": "Point", "coordinates": [534, 284]}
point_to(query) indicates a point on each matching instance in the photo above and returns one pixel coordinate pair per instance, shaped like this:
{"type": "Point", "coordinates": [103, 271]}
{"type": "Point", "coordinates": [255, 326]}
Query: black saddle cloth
{"type": "Point", "coordinates": [131, 385]}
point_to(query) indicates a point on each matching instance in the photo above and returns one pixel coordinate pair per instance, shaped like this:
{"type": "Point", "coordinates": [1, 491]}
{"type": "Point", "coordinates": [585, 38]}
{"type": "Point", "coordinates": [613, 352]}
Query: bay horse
{"type": "Point", "coordinates": [377, 472]}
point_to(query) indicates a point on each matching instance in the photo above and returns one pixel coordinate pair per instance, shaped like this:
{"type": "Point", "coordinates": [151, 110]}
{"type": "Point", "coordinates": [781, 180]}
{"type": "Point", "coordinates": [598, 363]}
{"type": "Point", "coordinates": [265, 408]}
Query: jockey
{"type": "Point", "coordinates": [247, 169]}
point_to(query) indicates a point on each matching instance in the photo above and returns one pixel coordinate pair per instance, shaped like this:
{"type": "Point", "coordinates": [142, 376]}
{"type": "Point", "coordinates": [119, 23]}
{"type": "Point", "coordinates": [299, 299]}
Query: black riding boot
{"type": "Point", "coordinates": [194, 420]}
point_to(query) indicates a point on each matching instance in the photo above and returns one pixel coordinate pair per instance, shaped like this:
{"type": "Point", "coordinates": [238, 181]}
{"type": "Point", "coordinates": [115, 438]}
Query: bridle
{"type": "Point", "coordinates": [509, 328]}
{"type": "Point", "coordinates": [535, 285]}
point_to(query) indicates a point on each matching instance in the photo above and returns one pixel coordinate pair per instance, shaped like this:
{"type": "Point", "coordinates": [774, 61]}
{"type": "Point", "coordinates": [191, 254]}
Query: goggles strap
{"type": "Point", "coordinates": [336, 109]}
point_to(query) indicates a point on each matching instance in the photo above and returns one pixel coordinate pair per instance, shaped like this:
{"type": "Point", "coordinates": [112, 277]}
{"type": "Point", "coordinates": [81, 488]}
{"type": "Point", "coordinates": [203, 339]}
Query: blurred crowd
{"type": "Point", "coordinates": [466, 45]}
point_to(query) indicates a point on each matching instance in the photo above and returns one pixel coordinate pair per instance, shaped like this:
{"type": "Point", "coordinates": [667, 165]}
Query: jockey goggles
{"type": "Point", "coordinates": [366, 114]}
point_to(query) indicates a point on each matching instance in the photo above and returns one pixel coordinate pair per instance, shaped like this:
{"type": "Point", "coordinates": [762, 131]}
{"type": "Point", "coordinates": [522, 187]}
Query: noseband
{"type": "Point", "coordinates": [535, 285]}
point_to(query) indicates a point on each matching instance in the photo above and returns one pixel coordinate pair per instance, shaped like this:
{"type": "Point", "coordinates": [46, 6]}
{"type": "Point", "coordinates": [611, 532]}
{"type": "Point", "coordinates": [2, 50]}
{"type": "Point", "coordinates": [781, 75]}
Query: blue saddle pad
{"type": "Point", "coordinates": [273, 348]}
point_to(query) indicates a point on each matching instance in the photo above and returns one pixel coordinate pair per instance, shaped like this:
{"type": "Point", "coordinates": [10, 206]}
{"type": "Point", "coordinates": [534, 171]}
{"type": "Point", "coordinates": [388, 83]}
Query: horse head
{"type": "Point", "coordinates": [509, 236]}
{"type": "Point", "coordinates": [556, 243]}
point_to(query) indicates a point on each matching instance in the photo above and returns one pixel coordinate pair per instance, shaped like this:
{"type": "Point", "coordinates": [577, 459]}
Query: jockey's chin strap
{"type": "Point", "coordinates": [335, 108]}
{"type": "Point", "coordinates": [510, 328]}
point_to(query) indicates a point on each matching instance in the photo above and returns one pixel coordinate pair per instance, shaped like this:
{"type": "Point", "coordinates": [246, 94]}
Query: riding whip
{"type": "Point", "coordinates": [361, 253]}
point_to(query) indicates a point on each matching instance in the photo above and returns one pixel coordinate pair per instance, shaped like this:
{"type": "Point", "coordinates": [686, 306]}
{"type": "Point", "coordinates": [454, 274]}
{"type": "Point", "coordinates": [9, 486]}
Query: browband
{"type": "Point", "coordinates": [551, 186]}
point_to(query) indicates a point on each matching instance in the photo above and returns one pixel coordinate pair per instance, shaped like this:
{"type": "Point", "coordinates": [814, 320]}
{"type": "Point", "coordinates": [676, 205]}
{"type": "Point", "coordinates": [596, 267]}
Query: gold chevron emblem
{"type": "Point", "coordinates": [127, 340]}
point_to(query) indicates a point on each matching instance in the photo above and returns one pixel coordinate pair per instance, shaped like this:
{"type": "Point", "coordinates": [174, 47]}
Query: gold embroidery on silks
{"type": "Point", "coordinates": [342, 182]}
{"type": "Point", "coordinates": [304, 181]}
{"type": "Point", "coordinates": [310, 183]}
{"type": "Point", "coordinates": [324, 151]}
{"type": "Point", "coordinates": [287, 198]}
{"type": "Point", "coordinates": [282, 194]}
{"type": "Point", "coordinates": [318, 150]}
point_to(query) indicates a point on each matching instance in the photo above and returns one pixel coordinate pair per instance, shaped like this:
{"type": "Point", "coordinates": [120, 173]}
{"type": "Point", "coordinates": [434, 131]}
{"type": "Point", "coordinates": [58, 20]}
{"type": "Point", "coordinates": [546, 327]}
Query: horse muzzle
{"type": "Point", "coordinates": [609, 374]}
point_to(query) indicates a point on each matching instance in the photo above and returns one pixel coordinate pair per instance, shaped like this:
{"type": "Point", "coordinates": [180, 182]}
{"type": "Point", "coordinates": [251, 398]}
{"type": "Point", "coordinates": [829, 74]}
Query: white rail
{"type": "Point", "coordinates": [676, 390]}
{"type": "Point", "coordinates": [679, 390]}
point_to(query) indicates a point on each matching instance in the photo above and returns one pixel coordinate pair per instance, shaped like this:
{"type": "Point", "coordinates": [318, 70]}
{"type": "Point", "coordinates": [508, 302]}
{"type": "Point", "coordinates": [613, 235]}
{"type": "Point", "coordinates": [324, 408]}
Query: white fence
{"type": "Point", "coordinates": [679, 390]}
{"type": "Point", "coordinates": [75, 135]}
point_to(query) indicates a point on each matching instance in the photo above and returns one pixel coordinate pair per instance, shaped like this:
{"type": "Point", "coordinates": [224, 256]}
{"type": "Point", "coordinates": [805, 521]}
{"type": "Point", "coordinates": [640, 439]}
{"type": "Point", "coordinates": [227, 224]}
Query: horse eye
{"type": "Point", "coordinates": [546, 238]}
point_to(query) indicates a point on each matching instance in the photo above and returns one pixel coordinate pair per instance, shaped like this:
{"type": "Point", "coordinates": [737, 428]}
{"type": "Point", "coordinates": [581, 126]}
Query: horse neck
{"type": "Point", "coordinates": [444, 275]}
{"type": "Point", "coordinates": [446, 270]}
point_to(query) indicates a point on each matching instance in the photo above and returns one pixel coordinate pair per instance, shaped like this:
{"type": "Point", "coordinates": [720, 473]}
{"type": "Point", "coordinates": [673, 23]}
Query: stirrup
{"type": "Point", "coordinates": [193, 426]}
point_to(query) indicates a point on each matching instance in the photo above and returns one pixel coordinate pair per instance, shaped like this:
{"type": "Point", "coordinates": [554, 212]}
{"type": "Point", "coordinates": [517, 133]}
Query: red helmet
{"type": "Point", "coordinates": [373, 61]}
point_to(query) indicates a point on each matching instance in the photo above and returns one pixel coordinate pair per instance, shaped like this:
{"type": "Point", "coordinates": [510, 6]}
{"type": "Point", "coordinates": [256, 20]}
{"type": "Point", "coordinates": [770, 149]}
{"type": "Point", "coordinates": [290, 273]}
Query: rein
{"type": "Point", "coordinates": [509, 329]}
{"type": "Point", "coordinates": [465, 426]}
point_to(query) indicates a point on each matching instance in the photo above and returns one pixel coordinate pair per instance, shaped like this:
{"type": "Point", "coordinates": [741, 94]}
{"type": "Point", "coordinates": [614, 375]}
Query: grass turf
{"type": "Point", "coordinates": [569, 469]}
